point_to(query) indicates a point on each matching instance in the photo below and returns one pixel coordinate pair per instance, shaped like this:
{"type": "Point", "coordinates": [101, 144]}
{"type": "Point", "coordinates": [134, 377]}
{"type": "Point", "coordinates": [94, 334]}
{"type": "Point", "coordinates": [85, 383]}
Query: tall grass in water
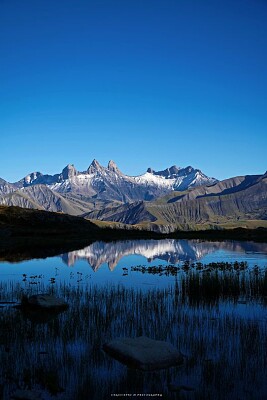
{"type": "Point", "coordinates": [225, 352]}
{"type": "Point", "coordinates": [212, 282]}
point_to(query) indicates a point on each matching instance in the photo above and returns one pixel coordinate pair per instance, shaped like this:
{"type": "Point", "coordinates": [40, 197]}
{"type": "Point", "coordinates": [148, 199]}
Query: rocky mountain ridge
{"type": "Point", "coordinates": [164, 201]}
{"type": "Point", "coordinates": [109, 183]}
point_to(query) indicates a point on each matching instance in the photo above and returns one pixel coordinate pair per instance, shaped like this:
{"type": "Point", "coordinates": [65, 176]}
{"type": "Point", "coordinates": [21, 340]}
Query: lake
{"type": "Point", "coordinates": [206, 298]}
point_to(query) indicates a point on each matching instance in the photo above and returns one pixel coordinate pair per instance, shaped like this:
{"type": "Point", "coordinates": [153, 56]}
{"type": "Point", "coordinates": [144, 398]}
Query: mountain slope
{"type": "Point", "coordinates": [241, 198]}
{"type": "Point", "coordinates": [6, 187]}
{"type": "Point", "coordinates": [42, 197]}
{"type": "Point", "coordinates": [125, 213]}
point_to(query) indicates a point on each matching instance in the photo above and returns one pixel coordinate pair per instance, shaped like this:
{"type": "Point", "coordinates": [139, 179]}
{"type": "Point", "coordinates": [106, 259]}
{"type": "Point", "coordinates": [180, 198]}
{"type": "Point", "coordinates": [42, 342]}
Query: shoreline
{"type": "Point", "coordinates": [26, 233]}
{"type": "Point", "coordinates": [14, 248]}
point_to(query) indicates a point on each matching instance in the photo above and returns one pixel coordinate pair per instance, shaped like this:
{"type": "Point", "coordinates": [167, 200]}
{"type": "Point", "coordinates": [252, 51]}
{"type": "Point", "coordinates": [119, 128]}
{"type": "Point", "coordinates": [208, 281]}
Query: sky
{"type": "Point", "coordinates": [149, 83]}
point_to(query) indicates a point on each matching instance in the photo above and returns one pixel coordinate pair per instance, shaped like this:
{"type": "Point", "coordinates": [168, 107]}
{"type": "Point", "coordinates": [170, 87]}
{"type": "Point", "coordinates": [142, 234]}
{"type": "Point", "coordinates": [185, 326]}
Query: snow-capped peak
{"type": "Point", "coordinates": [109, 183]}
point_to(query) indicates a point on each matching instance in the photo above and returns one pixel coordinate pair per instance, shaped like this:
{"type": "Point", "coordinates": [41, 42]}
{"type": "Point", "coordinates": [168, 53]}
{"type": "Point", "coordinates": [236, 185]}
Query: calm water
{"type": "Point", "coordinates": [102, 262]}
{"type": "Point", "coordinates": [217, 318]}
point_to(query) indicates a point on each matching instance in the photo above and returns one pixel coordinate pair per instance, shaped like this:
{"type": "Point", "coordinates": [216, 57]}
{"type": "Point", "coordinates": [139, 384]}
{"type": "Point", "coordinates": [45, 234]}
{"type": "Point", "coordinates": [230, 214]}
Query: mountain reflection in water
{"type": "Point", "coordinates": [168, 250]}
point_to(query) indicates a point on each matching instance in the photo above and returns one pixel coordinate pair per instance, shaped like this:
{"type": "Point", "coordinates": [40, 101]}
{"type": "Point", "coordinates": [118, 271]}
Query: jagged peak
{"type": "Point", "coordinates": [174, 169]}
{"type": "Point", "coordinates": [94, 166]}
{"type": "Point", "coordinates": [112, 166]}
{"type": "Point", "coordinates": [95, 163]}
{"type": "Point", "coordinates": [69, 171]}
{"type": "Point", "coordinates": [189, 167]}
{"type": "Point", "coordinates": [32, 177]}
{"type": "Point", "coordinates": [35, 173]}
{"type": "Point", "coordinates": [168, 172]}
{"type": "Point", "coordinates": [69, 167]}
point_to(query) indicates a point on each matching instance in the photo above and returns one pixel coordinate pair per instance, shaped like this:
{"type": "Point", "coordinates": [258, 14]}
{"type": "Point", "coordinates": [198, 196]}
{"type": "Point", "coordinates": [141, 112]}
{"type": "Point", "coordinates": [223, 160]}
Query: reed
{"type": "Point", "coordinates": [224, 349]}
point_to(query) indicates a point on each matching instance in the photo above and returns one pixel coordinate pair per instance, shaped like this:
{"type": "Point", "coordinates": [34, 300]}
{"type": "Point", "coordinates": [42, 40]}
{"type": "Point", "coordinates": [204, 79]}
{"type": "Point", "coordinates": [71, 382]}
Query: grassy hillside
{"type": "Point", "coordinates": [26, 234]}
{"type": "Point", "coordinates": [235, 202]}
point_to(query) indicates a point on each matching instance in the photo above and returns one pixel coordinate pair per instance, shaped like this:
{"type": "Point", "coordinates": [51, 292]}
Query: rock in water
{"type": "Point", "coordinates": [45, 301]}
{"type": "Point", "coordinates": [144, 353]}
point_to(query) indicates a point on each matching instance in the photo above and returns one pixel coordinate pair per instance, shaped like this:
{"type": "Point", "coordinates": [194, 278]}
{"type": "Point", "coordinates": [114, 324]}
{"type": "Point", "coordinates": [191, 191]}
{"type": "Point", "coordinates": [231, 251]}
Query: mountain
{"type": "Point", "coordinates": [167, 200]}
{"type": "Point", "coordinates": [41, 197]}
{"type": "Point", "coordinates": [183, 178]}
{"type": "Point", "coordinates": [97, 183]}
{"type": "Point", "coordinates": [111, 184]}
{"type": "Point", "coordinates": [6, 187]}
{"type": "Point", "coordinates": [227, 202]}
{"type": "Point", "coordinates": [37, 178]}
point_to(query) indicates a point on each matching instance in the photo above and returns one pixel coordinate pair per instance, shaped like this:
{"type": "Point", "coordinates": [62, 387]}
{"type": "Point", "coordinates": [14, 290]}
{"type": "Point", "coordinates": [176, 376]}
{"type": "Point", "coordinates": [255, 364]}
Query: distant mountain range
{"type": "Point", "coordinates": [175, 198]}
{"type": "Point", "coordinates": [75, 192]}
{"type": "Point", "coordinates": [102, 183]}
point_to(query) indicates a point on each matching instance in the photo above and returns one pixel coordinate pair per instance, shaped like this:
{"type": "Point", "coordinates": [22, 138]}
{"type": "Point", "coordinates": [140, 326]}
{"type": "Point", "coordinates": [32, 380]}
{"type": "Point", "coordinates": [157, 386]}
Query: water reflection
{"type": "Point", "coordinates": [168, 250]}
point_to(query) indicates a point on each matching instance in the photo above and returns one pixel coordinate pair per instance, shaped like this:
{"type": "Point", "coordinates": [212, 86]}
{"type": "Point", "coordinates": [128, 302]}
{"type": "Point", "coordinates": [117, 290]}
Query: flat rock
{"type": "Point", "coordinates": [45, 301]}
{"type": "Point", "coordinates": [144, 353]}
{"type": "Point", "coordinates": [26, 395]}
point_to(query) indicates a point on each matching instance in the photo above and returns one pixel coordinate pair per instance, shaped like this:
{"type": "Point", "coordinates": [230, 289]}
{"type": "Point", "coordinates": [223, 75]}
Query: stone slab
{"type": "Point", "coordinates": [144, 353]}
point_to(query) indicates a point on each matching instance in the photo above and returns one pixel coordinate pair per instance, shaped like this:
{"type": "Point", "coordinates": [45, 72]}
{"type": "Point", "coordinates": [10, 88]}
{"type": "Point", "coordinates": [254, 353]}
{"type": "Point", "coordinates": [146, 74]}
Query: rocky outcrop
{"type": "Point", "coordinates": [112, 166]}
{"type": "Point", "coordinates": [94, 167]}
{"type": "Point", "coordinates": [68, 172]}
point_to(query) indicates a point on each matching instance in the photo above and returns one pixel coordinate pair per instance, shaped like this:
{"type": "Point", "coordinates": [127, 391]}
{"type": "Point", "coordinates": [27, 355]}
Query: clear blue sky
{"type": "Point", "coordinates": [145, 83]}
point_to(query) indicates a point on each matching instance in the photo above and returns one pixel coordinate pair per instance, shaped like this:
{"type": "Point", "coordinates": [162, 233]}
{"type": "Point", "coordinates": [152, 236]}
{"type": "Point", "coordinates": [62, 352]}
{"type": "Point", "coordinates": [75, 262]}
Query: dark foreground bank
{"type": "Point", "coordinates": [26, 233]}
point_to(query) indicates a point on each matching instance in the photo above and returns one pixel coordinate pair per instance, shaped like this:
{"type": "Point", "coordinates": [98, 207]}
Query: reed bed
{"type": "Point", "coordinates": [224, 350]}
